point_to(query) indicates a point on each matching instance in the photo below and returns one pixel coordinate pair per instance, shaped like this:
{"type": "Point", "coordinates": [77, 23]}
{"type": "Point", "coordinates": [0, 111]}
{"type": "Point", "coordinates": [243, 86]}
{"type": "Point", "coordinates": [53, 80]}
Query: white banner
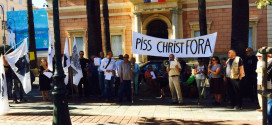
{"type": "Point", "coordinates": [202, 46]}
{"type": "Point", "coordinates": [50, 53]}
{"type": "Point", "coordinates": [66, 62]}
{"type": "Point", "coordinates": [19, 62]}
{"type": "Point", "coordinates": [4, 104]}
{"type": "Point", "coordinates": [75, 64]}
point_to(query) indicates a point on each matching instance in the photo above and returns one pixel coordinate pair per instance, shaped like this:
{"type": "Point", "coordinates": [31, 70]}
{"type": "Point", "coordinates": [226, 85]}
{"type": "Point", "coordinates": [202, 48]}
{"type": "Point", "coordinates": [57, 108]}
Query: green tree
{"type": "Point", "coordinates": [94, 27]}
{"type": "Point", "coordinates": [106, 25]}
{"type": "Point", "coordinates": [263, 3]}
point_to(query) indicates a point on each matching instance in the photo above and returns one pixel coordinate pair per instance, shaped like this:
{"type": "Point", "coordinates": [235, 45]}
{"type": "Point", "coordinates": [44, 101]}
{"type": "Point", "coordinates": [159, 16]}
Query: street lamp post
{"type": "Point", "coordinates": [61, 114]}
{"type": "Point", "coordinates": [10, 29]}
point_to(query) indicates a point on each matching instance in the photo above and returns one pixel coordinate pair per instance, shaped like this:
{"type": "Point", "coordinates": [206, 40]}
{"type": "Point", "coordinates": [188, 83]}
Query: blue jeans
{"type": "Point", "coordinates": [135, 83]}
{"type": "Point", "coordinates": [108, 92]}
{"type": "Point", "coordinates": [101, 82]}
{"type": "Point", "coordinates": [269, 111]}
{"type": "Point", "coordinates": [125, 87]}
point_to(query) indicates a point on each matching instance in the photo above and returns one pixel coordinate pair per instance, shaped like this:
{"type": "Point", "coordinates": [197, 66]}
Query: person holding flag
{"type": "Point", "coordinates": [19, 63]}
{"type": "Point", "coordinates": [4, 104]}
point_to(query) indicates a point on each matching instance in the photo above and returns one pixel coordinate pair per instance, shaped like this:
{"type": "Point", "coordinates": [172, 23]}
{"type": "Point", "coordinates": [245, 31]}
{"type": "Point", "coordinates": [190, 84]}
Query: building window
{"type": "Point", "coordinates": [116, 45]}
{"type": "Point", "coordinates": [11, 8]}
{"type": "Point", "coordinates": [20, 1]}
{"type": "Point", "coordinates": [197, 33]}
{"type": "Point", "coordinates": [195, 30]}
{"type": "Point", "coordinates": [250, 42]}
{"type": "Point", "coordinates": [79, 43]}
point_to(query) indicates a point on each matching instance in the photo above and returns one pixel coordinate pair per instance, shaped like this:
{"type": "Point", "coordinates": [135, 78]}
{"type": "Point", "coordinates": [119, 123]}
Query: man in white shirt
{"type": "Point", "coordinates": [101, 74]}
{"type": "Point", "coordinates": [173, 70]}
{"type": "Point", "coordinates": [109, 67]}
{"type": "Point", "coordinates": [117, 78]}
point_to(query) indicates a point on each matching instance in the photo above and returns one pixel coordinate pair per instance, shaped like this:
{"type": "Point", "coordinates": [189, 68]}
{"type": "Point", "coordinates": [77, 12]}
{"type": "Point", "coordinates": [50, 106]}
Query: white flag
{"type": "Point", "coordinates": [66, 62]}
{"type": "Point", "coordinates": [50, 53]}
{"type": "Point", "coordinates": [4, 105]}
{"type": "Point", "coordinates": [75, 64]}
{"type": "Point", "coordinates": [19, 62]}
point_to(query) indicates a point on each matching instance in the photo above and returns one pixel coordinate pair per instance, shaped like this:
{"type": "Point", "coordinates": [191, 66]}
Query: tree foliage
{"type": "Point", "coordinates": [263, 3]}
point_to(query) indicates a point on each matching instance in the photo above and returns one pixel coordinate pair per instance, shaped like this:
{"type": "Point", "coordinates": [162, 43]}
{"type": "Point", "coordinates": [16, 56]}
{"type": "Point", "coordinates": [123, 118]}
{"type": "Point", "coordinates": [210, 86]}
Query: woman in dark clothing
{"type": "Point", "coordinates": [162, 79]}
{"type": "Point", "coordinates": [44, 81]}
{"type": "Point", "coordinates": [216, 83]}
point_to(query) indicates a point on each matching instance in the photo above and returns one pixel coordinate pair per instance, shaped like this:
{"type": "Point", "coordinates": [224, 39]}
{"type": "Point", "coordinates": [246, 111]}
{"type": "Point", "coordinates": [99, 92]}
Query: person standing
{"type": "Point", "coordinates": [108, 66]}
{"type": "Point", "coordinates": [225, 95]}
{"type": "Point", "coordinates": [101, 75]}
{"type": "Point", "coordinates": [259, 71]}
{"type": "Point", "coordinates": [125, 75]}
{"type": "Point", "coordinates": [200, 73]}
{"type": "Point", "coordinates": [216, 79]}
{"type": "Point", "coordinates": [163, 80]}
{"type": "Point", "coordinates": [173, 70]}
{"type": "Point", "coordinates": [269, 88]}
{"type": "Point", "coordinates": [150, 78]}
{"type": "Point", "coordinates": [250, 64]}
{"type": "Point", "coordinates": [117, 78]}
{"type": "Point", "coordinates": [8, 73]}
{"type": "Point", "coordinates": [135, 72]}
{"type": "Point", "coordinates": [84, 80]}
{"type": "Point", "coordinates": [234, 75]}
{"type": "Point", "coordinates": [44, 81]}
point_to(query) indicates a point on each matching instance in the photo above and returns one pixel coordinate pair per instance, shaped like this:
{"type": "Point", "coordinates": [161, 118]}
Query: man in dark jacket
{"type": "Point", "coordinates": [250, 64]}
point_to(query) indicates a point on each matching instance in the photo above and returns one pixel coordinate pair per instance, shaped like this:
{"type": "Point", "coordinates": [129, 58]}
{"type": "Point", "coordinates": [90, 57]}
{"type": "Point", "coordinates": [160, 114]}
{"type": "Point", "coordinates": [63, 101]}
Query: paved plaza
{"type": "Point", "coordinates": [145, 110]}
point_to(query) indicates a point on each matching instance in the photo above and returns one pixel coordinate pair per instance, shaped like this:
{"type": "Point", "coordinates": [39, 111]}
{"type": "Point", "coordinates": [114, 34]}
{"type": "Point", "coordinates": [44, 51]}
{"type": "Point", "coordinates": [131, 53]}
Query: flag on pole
{"type": "Point", "coordinates": [19, 62]}
{"type": "Point", "coordinates": [66, 62]}
{"type": "Point", "coordinates": [153, 1]}
{"type": "Point", "coordinates": [75, 64]}
{"type": "Point", "coordinates": [4, 105]}
{"type": "Point", "coordinates": [50, 53]}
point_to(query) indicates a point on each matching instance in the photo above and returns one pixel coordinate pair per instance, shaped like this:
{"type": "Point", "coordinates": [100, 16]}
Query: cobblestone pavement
{"type": "Point", "coordinates": [143, 111]}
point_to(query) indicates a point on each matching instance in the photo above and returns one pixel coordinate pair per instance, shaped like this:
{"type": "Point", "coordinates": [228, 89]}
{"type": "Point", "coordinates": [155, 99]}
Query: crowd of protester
{"type": "Point", "coordinates": [224, 80]}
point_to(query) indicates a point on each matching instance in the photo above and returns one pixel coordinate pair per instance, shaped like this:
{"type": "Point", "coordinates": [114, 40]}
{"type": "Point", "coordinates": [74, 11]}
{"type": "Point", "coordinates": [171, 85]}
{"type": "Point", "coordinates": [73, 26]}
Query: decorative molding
{"type": "Point", "coordinates": [194, 26]}
{"type": "Point", "coordinates": [215, 7]}
{"type": "Point", "coordinates": [83, 8]}
{"type": "Point", "coordinates": [85, 16]}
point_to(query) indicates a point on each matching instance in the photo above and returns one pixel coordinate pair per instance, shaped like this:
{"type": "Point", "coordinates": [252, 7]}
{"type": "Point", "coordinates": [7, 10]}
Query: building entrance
{"type": "Point", "coordinates": [157, 28]}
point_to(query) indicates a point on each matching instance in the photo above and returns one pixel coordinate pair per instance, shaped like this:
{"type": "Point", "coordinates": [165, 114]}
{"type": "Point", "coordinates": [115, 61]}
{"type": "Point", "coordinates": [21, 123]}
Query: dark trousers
{"type": "Point", "coordinates": [117, 86]}
{"type": "Point", "coordinates": [17, 86]}
{"type": "Point", "coordinates": [108, 88]}
{"type": "Point", "coordinates": [125, 88]}
{"type": "Point", "coordinates": [84, 82]}
{"type": "Point", "coordinates": [101, 82]}
{"type": "Point", "coordinates": [235, 92]}
{"type": "Point", "coordinates": [9, 86]}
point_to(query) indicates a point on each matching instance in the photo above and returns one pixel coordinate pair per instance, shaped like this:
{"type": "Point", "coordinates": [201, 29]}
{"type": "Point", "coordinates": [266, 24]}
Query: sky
{"type": "Point", "coordinates": [38, 3]}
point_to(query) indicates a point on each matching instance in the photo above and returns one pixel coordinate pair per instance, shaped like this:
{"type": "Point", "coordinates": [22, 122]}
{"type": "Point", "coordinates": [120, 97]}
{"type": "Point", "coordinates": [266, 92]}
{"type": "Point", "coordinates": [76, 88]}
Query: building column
{"type": "Point", "coordinates": [174, 23]}
{"type": "Point", "coordinates": [269, 25]}
{"type": "Point", "coordinates": [138, 28]}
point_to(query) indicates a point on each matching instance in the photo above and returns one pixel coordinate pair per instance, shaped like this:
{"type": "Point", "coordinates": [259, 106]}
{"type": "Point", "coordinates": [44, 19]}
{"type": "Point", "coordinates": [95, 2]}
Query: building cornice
{"type": "Point", "coordinates": [83, 8]}
{"type": "Point", "coordinates": [214, 7]}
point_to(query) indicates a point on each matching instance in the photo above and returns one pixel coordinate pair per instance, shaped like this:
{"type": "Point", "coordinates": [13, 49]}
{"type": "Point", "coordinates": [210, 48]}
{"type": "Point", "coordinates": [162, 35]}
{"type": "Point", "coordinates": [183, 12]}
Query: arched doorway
{"type": "Point", "coordinates": [157, 28]}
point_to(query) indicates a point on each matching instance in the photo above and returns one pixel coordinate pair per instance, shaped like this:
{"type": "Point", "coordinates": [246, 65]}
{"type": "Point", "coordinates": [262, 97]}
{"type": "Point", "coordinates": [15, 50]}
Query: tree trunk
{"type": "Point", "coordinates": [94, 27]}
{"type": "Point", "coordinates": [106, 25]}
{"type": "Point", "coordinates": [203, 22]}
{"type": "Point", "coordinates": [240, 25]}
{"type": "Point", "coordinates": [31, 36]}
{"type": "Point", "coordinates": [202, 17]}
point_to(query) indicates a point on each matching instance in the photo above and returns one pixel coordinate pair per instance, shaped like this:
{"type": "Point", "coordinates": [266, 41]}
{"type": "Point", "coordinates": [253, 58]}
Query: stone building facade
{"type": "Point", "coordinates": [173, 19]}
